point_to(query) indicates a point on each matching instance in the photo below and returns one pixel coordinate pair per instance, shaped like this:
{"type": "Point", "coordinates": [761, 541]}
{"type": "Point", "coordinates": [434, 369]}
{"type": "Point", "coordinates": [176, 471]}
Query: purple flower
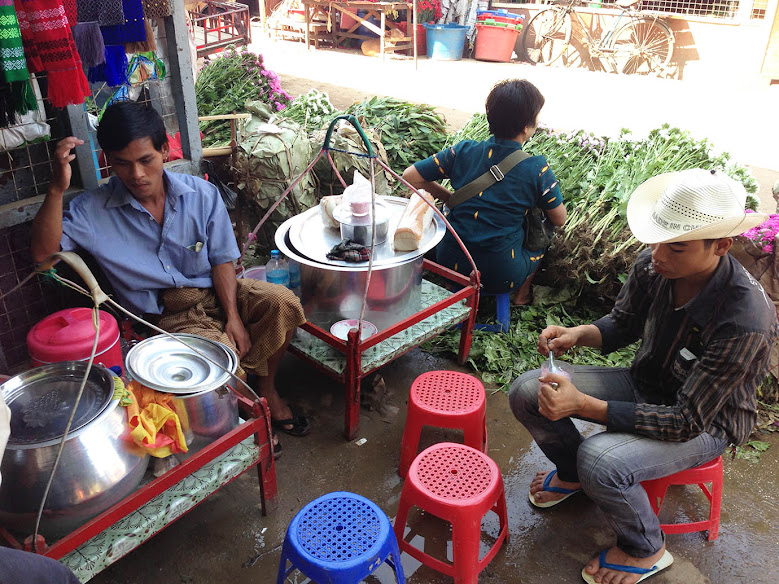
{"type": "Point", "coordinates": [279, 106]}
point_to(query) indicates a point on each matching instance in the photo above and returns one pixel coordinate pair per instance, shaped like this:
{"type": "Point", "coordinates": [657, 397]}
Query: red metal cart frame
{"type": "Point", "coordinates": [353, 348]}
{"type": "Point", "coordinates": [258, 424]}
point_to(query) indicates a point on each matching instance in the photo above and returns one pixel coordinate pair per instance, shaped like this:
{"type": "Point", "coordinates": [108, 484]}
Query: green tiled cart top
{"type": "Point", "coordinates": [128, 533]}
{"type": "Point", "coordinates": [335, 361]}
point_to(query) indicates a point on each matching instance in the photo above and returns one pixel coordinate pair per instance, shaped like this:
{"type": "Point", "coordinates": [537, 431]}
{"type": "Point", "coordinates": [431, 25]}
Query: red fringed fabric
{"type": "Point", "coordinates": [49, 46]}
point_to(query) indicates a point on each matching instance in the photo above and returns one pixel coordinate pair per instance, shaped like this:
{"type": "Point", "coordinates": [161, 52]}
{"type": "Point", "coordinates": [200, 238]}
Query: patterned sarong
{"type": "Point", "coordinates": [267, 311]}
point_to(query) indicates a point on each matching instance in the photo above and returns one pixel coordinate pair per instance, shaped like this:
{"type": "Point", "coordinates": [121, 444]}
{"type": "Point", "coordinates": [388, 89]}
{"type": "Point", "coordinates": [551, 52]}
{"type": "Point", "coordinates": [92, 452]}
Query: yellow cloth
{"type": "Point", "coordinates": [154, 424]}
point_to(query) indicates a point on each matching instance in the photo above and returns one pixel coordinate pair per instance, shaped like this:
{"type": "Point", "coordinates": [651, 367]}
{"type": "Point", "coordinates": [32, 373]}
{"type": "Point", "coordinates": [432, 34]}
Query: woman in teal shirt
{"type": "Point", "coordinates": [491, 223]}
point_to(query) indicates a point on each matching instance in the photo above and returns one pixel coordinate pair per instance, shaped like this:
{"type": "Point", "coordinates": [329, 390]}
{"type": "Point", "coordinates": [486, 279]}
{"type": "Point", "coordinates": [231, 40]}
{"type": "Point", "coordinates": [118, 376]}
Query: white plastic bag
{"type": "Point", "coordinates": [358, 195]}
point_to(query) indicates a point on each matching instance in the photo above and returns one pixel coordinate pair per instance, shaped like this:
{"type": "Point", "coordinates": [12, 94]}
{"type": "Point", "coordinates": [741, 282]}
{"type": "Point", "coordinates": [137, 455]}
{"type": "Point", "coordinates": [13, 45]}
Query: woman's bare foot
{"type": "Point", "coordinates": [617, 556]}
{"type": "Point", "coordinates": [541, 496]}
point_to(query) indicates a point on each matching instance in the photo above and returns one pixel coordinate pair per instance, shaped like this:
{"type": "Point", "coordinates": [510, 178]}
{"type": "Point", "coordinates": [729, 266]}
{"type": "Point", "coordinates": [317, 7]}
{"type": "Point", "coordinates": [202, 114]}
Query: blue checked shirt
{"type": "Point", "coordinates": [141, 257]}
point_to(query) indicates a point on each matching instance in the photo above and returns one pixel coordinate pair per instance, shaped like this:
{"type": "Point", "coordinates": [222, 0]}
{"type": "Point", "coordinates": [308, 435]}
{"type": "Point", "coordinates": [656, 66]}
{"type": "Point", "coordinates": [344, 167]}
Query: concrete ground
{"type": "Point", "coordinates": [226, 539]}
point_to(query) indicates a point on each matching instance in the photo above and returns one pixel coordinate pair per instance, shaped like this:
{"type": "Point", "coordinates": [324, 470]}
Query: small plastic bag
{"type": "Point", "coordinates": [358, 195]}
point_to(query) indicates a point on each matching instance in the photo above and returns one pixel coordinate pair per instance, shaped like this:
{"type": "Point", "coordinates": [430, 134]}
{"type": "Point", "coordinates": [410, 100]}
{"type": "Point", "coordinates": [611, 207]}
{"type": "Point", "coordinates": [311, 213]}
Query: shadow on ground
{"type": "Point", "coordinates": [226, 539]}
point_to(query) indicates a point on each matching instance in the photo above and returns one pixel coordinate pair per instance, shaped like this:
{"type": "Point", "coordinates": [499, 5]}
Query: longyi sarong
{"type": "Point", "coordinates": [268, 312]}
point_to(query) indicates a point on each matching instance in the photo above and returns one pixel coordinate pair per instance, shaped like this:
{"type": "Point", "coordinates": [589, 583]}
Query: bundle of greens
{"type": "Point", "coordinates": [311, 110]}
{"type": "Point", "coordinates": [408, 131]}
{"type": "Point", "coordinates": [226, 82]}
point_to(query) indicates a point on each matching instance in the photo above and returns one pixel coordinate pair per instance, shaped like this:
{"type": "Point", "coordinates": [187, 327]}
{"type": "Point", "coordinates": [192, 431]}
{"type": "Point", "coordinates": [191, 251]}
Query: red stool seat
{"type": "Point", "coordinates": [711, 472]}
{"type": "Point", "coordinates": [444, 399]}
{"type": "Point", "coordinates": [458, 484]}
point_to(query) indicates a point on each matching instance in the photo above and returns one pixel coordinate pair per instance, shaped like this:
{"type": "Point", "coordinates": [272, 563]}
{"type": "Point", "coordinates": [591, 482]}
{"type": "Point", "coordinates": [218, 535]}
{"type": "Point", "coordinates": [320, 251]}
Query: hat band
{"type": "Point", "coordinates": [676, 227]}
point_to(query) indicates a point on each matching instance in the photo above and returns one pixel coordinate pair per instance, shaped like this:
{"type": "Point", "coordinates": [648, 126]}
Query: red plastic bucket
{"type": "Point", "coordinates": [421, 39]}
{"type": "Point", "coordinates": [68, 335]}
{"type": "Point", "coordinates": [494, 43]}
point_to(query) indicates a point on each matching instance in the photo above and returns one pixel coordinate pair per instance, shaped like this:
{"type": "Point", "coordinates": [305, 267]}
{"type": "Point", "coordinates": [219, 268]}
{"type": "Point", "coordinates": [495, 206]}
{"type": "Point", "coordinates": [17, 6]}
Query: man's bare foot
{"type": "Point", "coordinates": [617, 556]}
{"type": "Point", "coordinates": [541, 496]}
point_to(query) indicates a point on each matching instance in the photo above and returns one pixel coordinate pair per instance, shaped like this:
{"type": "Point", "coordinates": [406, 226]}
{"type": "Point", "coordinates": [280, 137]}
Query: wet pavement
{"type": "Point", "coordinates": [226, 538]}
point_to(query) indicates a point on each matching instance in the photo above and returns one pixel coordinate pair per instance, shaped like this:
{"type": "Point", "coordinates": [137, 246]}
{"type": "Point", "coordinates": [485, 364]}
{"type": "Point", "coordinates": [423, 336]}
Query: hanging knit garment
{"type": "Point", "coordinates": [49, 46]}
{"type": "Point", "coordinates": [156, 8]}
{"type": "Point", "coordinates": [133, 30]}
{"type": "Point", "coordinates": [150, 44]}
{"type": "Point", "coordinates": [89, 42]}
{"type": "Point", "coordinates": [114, 70]}
{"type": "Point", "coordinates": [12, 61]}
{"type": "Point", "coordinates": [104, 12]}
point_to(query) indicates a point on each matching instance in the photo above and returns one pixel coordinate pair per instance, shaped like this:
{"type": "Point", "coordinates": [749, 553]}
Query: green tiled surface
{"type": "Point", "coordinates": [128, 533]}
{"type": "Point", "coordinates": [387, 350]}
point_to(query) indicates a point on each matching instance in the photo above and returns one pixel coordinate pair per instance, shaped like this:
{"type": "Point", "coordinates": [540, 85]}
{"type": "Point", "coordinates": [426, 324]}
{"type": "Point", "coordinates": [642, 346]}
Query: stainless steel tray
{"type": "Point", "coordinates": [311, 239]}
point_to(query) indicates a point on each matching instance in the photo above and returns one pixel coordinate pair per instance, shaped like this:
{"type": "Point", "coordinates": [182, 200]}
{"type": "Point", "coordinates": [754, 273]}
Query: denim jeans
{"type": "Point", "coordinates": [611, 465]}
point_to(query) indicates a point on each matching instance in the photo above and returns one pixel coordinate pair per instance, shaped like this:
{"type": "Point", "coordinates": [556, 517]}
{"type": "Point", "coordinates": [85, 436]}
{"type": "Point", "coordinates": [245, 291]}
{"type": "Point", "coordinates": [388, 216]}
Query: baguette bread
{"type": "Point", "coordinates": [326, 207]}
{"type": "Point", "coordinates": [415, 219]}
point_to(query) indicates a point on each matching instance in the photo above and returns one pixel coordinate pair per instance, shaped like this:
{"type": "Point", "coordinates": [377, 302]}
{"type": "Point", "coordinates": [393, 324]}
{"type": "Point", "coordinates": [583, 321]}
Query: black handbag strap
{"type": "Point", "coordinates": [496, 173]}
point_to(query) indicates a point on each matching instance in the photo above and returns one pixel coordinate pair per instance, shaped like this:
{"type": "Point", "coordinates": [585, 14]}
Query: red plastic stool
{"type": "Point", "coordinates": [460, 485]}
{"type": "Point", "coordinates": [711, 472]}
{"type": "Point", "coordinates": [445, 399]}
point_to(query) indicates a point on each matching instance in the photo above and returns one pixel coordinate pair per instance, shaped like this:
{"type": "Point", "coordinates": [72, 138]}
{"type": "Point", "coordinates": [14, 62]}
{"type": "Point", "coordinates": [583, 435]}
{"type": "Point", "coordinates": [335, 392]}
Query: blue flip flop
{"type": "Point", "coordinates": [666, 560]}
{"type": "Point", "coordinates": [547, 488]}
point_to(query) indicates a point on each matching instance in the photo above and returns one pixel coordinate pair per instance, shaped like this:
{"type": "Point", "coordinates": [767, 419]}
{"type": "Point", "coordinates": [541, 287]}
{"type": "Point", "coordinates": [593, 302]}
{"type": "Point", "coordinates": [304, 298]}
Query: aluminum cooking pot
{"type": "Point", "coordinates": [175, 364]}
{"type": "Point", "coordinates": [100, 464]}
{"type": "Point", "coordinates": [205, 416]}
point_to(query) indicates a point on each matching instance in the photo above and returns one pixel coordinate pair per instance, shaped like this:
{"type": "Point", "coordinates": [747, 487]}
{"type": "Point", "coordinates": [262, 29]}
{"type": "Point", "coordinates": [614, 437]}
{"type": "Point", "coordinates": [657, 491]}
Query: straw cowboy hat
{"type": "Point", "coordinates": [688, 205]}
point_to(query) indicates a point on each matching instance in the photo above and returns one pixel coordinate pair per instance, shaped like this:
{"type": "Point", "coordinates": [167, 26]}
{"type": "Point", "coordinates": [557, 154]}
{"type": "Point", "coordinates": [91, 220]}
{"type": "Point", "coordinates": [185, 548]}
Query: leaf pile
{"type": "Point", "coordinates": [227, 82]}
{"type": "Point", "coordinates": [311, 110]}
{"type": "Point", "coordinates": [408, 131]}
{"type": "Point", "coordinates": [501, 358]}
{"type": "Point", "coordinates": [595, 248]}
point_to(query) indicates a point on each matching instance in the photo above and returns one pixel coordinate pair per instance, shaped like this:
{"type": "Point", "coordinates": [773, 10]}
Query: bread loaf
{"type": "Point", "coordinates": [326, 207]}
{"type": "Point", "coordinates": [415, 219]}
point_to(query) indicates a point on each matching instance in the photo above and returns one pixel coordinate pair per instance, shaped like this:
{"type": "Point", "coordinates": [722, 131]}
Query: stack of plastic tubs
{"type": "Point", "coordinates": [496, 34]}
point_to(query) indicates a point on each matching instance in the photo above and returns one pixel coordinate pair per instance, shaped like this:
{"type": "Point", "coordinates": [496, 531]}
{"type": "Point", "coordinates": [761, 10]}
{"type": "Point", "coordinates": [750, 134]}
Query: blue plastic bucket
{"type": "Point", "coordinates": [445, 42]}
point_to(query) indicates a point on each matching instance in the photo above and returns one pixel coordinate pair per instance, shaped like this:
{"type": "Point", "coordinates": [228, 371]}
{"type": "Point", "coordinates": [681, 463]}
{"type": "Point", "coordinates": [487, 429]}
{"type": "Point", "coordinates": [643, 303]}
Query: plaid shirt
{"type": "Point", "coordinates": [698, 367]}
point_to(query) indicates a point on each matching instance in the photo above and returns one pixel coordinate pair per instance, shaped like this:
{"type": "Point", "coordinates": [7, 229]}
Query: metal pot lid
{"type": "Point", "coordinates": [42, 399]}
{"type": "Point", "coordinates": [310, 238]}
{"type": "Point", "coordinates": [172, 365]}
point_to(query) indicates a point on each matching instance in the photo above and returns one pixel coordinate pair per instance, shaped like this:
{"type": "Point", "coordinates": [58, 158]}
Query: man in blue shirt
{"type": "Point", "coordinates": [166, 245]}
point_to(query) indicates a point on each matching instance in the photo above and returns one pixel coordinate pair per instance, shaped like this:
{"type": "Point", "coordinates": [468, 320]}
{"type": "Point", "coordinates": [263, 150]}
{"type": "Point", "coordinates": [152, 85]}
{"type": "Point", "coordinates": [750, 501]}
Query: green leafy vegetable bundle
{"type": "Point", "coordinates": [409, 132]}
{"type": "Point", "coordinates": [226, 82]}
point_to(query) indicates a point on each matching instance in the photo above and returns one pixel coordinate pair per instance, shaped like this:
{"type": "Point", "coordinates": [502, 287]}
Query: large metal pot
{"type": "Point", "coordinates": [100, 465]}
{"type": "Point", "coordinates": [333, 290]}
{"type": "Point", "coordinates": [184, 366]}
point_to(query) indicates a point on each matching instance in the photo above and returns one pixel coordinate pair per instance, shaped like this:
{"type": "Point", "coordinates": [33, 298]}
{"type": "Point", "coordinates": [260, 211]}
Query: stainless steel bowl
{"type": "Point", "coordinates": [360, 228]}
{"type": "Point", "coordinates": [100, 464]}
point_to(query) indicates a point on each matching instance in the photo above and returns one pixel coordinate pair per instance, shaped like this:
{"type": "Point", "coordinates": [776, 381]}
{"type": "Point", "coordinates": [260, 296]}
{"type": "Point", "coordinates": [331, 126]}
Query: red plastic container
{"type": "Point", "coordinates": [68, 335]}
{"type": "Point", "coordinates": [494, 43]}
{"type": "Point", "coordinates": [421, 39]}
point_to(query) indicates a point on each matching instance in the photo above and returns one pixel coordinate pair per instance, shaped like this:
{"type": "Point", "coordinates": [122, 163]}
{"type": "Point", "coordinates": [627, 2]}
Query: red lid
{"type": "Point", "coordinates": [68, 335]}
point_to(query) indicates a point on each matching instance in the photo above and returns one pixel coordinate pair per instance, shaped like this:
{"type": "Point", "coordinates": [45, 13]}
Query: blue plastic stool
{"type": "Point", "coordinates": [339, 538]}
{"type": "Point", "coordinates": [503, 314]}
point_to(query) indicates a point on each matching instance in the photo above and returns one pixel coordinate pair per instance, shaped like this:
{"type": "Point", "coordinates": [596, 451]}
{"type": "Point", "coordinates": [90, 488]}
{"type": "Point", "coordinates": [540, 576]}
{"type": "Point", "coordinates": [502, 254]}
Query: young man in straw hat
{"type": "Point", "coordinates": [706, 329]}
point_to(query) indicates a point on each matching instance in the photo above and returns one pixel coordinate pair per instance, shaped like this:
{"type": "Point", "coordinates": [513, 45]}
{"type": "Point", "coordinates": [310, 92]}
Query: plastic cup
{"type": "Point", "coordinates": [563, 368]}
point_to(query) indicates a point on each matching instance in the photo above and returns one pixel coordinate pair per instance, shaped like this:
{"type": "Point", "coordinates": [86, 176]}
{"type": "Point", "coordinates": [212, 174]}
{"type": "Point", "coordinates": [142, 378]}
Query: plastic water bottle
{"type": "Point", "coordinates": [276, 270]}
{"type": "Point", "coordinates": [294, 277]}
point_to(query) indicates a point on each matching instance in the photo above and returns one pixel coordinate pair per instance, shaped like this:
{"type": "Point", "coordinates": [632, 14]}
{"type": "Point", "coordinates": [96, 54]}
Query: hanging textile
{"type": "Point", "coordinates": [150, 44]}
{"type": "Point", "coordinates": [156, 8]}
{"type": "Point", "coordinates": [104, 12]}
{"type": "Point", "coordinates": [89, 42]}
{"type": "Point", "coordinates": [71, 12]}
{"type": "Point", "coordinates": [49, 46]}
{"type": "Point", "coordinates": [114, 70]}
{"type": "Point", "coordinates": [13, 65]}
{"type": "Point", "coordinates": [133, 29]}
